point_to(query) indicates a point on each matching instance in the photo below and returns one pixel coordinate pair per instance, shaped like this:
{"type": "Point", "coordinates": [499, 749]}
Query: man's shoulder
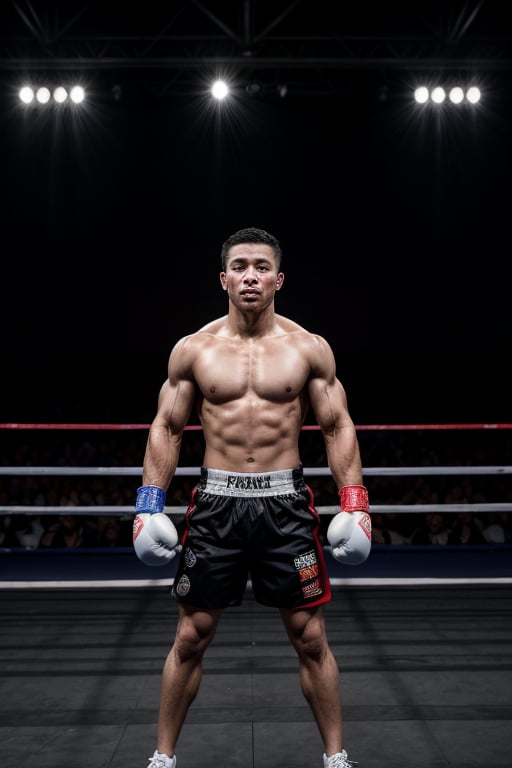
{"type": "Point", "coordinates": [201, 335]}
{"type": "Point", "coordinates": [287, 326]}
{"type": "Point", "coordinates": [213, 327]}
{"type": "Point", "coordinates": [188, 347]}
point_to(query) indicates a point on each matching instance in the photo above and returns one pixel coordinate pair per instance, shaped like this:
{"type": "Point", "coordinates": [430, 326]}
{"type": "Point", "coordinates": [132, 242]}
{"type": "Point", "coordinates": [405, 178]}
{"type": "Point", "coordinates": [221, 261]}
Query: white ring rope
{"type": "Point", "coordinates": [121, 509]}
{"type": "Point", "coordinates": [99, 509]}
{"type": "Point", "coordinates": [460, 470]}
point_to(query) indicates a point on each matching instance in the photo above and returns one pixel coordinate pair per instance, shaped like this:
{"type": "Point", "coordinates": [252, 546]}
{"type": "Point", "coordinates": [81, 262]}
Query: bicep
{"type": "Point", "coordinates": [175, 402]}
{"type": "Point", "coordinates": [329, 403]}
{"type": "Point", "coordinates": [178, 392]}
{"type": "Point", "coordinates": [326, 393]}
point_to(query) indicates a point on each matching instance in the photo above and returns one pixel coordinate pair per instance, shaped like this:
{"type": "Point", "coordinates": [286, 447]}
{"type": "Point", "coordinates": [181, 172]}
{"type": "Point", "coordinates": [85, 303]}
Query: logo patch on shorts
{"type": "Point", "coordinates": [183, 586]}
{"type": "Point", "coordinates": [190, 558]}
{"type": "Point", "coordinates": [244, 483]}
{"type": "Point", "coordinates": [312, 590]}
{"type": "Point", "coordinates": [304, 561]}
{"type": "Point", "coordinates": [308, 569]}
{"type": "Point", "coordinates": [311, 572]}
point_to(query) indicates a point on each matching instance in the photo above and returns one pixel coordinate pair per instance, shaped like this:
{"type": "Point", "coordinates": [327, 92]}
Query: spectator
{"type": "Point", "coordinates": [70, 531]}
{"type": "Point", "coordinates": [434, 530]}
{"type": "Point", "coordinates": [29, 533]}
{"type": "Point", "coordinates": [384, 529]}
{"type": "Point", "coordinates": [498, 529]}
{"type": "Point", "coordinates": [466, 530]}
{"type": "Point", "coordinates": [114, 532]}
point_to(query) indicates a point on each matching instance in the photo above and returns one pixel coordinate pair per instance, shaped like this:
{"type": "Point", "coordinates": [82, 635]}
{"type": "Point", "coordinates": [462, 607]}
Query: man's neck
{"type": "Point", "coordinates": [252, 324]}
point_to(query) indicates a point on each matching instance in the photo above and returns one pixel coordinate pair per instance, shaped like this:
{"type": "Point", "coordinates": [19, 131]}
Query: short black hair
{"type": "Point", "coordinates": [250, 235]}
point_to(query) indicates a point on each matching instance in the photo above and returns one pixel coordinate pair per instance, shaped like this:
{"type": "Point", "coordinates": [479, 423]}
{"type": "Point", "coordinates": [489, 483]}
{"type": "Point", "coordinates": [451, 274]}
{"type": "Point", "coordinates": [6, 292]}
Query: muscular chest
{"type": "Point", "coordinates": [270, 371]}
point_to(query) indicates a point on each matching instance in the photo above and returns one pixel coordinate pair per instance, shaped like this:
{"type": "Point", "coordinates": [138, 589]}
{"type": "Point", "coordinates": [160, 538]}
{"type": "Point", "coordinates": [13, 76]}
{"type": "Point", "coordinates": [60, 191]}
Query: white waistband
{"type": "Point", "coordinates": [221, 483]}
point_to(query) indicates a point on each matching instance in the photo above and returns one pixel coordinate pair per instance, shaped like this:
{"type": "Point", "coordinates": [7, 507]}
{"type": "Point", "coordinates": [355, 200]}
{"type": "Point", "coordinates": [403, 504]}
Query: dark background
{"type": "Point", "coordinates": [394, 223]}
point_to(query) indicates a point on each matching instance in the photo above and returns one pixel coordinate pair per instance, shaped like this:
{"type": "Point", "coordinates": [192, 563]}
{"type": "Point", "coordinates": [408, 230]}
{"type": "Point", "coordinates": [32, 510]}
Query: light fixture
{"type": "Point", "coordinates": [473, 95]}
{"type": "Point", "coordinates": [60, 94]}
{"type": "Point", "coordinates": [219, 90]}
{"type": "Point", "coordinates": [438, 95]}
{"type": "Point", "coordinates": [26, 94]}
{"type": "Point", "coordinates": [457, 94]}
{"type": "Point", "coordinates": [77, 94]}
{"type": "Point", "coordinates": [43, 95]}
{"type": "Point", "coordinates": [48, 94]}
{"type": "Point", "coordinates": [421, 94]}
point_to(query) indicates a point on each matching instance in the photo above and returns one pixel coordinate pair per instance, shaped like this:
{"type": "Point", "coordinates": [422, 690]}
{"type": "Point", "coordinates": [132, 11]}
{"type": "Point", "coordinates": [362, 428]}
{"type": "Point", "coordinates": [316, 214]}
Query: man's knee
{"type": "Point", "coordinates": [193, 636]}
{"type": "Point", "coordinates": [307, 633]}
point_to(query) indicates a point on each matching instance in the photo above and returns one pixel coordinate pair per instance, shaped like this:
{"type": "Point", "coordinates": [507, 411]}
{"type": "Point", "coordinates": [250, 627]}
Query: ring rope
{"type": "Point", "coordinates": [458, 469]}
{"type": "Point", "coordinates": [306, 427]}
{"type": "Point", "coordinates": [122, 509]}
{"type": "Point", "coordinates": [311, 471]}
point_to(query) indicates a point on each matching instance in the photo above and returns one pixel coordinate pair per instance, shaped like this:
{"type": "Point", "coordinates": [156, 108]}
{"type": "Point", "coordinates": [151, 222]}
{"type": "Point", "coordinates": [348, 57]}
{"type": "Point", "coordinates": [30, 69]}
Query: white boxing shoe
{"type": "Point", "coordinates": [338, 760]}
{"type": "Point", "coordinates": [161, 760]}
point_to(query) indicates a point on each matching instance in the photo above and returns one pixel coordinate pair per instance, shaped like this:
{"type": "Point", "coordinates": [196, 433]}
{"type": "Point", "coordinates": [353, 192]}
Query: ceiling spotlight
{"type": "Point", "coordinates": [438, 95]}
{"type": "Point", "coordinates": [77, 94]}
{"type": "Point", "coordinates": [421, 94]}
{"type": "Point", "coordinates": [60, 94]}
{"type": "Point", "coordinates": [456, 95]}
{"type": "Point", "coordinates": [219, 90]}
{"type": "Point", "coordinates": [43, 95]}
{"type": "Point", "coordinates": [26, 94]}
{"type": "Point", "coordinates": [473, 94]}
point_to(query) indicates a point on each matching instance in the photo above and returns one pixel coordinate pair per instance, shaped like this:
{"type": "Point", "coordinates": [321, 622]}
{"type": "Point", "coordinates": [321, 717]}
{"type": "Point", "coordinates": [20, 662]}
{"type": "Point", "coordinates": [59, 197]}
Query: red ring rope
{"type": "Point", "coordinates": [360, 427]}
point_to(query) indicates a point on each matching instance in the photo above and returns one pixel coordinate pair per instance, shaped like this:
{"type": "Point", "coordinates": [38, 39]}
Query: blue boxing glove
{"type": "Point", "coordinates": [155, 537]}
{"type": "Point", "coordinates": [350, 531]}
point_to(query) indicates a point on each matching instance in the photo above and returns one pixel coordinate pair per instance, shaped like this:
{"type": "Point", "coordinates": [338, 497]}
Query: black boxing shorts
{"type": "Point", "coordinates": [263, 527]}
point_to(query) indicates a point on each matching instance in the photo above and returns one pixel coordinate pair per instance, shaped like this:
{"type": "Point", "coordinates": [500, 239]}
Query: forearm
{"type": "Point", "coordinates": [155, 537]}
{"type": "Point", "coordinates": [161, 456]}
{"type": "Point", "coordinates": [350, 530]}
{"type": "Point", "coordinates": [343, 456]}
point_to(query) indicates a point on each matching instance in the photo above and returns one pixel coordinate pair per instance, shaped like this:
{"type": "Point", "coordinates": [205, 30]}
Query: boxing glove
{"type": "Point", "coordinates": [155, 537]}
{"type": "Point", "coordinates": [350, 531]}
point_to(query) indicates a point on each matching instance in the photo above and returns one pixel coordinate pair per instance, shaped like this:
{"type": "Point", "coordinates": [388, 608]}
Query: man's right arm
{"type": "Point", "coordinates": [154, 535]}
{"type": "Point", "coordinates": [166, 432]}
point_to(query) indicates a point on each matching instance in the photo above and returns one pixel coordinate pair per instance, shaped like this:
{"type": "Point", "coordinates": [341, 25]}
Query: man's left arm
{"type": "Point", "coordinates": [349, 532]}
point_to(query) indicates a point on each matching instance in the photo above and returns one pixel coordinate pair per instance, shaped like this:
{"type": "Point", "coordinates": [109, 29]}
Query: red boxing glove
{"type": "Point", "coordinates": [350, 531]}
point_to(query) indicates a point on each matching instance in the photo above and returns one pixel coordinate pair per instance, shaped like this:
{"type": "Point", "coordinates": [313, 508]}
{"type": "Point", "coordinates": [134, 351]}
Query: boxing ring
{"type": "Point", "coordinates": [388, 564]}
{"type": "Point", "coordinates": [422, 635]}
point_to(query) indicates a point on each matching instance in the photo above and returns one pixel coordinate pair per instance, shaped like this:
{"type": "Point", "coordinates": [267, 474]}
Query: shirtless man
{"type": "Point", "coordinates": [251, 375]}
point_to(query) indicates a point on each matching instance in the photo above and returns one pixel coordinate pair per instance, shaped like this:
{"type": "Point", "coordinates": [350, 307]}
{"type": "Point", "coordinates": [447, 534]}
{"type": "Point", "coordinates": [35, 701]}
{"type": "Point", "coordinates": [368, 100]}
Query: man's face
{"type": "Point", "coordinates": [251, 277]}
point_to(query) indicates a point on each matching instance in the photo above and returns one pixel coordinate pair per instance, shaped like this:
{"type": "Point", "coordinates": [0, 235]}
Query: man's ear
{"type": "Point", "coordinates": [223, 281]}
{"type": "Point", "coordinates": [279, 281]}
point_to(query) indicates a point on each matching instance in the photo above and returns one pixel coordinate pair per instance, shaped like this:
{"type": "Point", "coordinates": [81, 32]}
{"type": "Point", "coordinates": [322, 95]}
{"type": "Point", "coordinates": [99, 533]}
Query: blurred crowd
{"type": "Point", "coordinates": [67, 526]}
